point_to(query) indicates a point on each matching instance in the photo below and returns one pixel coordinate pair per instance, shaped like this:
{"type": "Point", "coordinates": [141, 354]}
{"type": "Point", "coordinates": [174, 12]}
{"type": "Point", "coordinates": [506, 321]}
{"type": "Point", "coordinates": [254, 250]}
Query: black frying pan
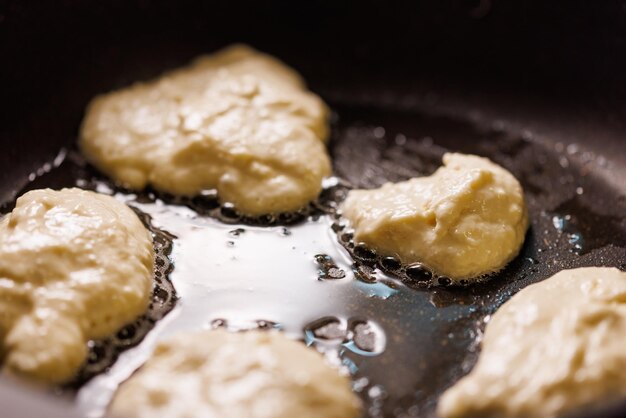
{"type": "Point", "coordinates": [537, 87]}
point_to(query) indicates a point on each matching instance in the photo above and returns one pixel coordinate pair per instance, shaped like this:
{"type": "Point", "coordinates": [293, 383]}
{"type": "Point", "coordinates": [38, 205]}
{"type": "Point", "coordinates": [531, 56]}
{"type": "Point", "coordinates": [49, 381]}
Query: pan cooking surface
{"type": "Point", "coordinates": [403, 345]}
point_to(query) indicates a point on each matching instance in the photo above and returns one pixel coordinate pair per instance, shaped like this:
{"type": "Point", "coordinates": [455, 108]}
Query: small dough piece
{"type": "Point", "coordinates": [237, 121]}
{"type": "Point", "coordinates": [556, 346]}
{"type": "Point", "coordinates": [467, 219]}
{"type": "Point", "coordinates": [221, 374]}
{"type": "Point", "coordinates": [74, 266]}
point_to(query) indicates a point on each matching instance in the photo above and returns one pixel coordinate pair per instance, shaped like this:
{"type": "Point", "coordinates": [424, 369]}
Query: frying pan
{"type": "Point", "coordinates": [537, 86]}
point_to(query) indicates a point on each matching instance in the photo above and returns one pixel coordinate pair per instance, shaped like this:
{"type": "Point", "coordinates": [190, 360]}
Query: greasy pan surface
{"type": "Point", "coordinates": [519, 84]}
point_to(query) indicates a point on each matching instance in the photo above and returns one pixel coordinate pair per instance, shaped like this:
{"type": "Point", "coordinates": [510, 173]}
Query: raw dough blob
{"type": "Point", "coordinates": [74, 266]}
{"type": "Point", "coordinates": [237, 121]}
{"type": "Point", "coordinates": [220, 374]}
{"type": "Point", "coordinates": [467, 219]}
{"type": "Point", "coordinates": [556, 346]}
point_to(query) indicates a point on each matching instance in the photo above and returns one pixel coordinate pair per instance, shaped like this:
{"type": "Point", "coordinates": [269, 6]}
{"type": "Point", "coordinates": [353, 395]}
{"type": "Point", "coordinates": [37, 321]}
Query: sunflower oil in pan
{"type": "Point", "coordinates": [304, 276]}
{"type": "Point", "coordinates": [289, 275]}
{"type": "Point", "coordinates": [242, 276]}
{"type": "Point", "coordinates": [403, 342]}
{"type": "Point", "coordinates": [301, 278]}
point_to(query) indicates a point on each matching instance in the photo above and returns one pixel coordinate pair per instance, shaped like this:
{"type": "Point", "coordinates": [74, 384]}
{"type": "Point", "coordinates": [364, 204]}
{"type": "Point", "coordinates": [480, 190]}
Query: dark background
{"type": "Point", "coordinates": [566, 56]}
{"type": "Point", "coordinates": [553, 68]}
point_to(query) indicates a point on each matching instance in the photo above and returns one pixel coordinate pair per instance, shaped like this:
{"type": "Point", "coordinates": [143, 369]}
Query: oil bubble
{"type": "Point", "coordinates": [327, 329]}
{"type": "Point", "coordinates": [328, 270]}
{"type": "Point", "coordinates": [236, 232]}
{"type": "Point", "coordinates": [418, 272]}
{"type": "Point", "coordinates": [364, 253]}
{"type": "Point", "coordinates": [366, 337]}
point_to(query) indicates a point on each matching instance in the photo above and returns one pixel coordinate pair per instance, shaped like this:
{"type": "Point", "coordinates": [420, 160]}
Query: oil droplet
{"type": "Point", "coordinates": [364, 273]}
{"type": "Point", "coordinates": [347, 237]}
{"type": "Point", "coordinates": [377, 392]}
{"type": "Point", "coordinates": [337, 227]}
{"type": "Point", "coordinates": [379, 132]}
{"type": "Point", "coordinates": [390, 263]}
{"type": "Point", "coordinates": [532, 260]}
{"type": "Point", "coordinates": [218, 323]}
{"type": "Point", "coordinates": [228, 212]}
{"type": "Point", "coordinates": [264, 324]}
{"type": "Point", "coordinates": [327, 328]}
{"type": "Point", "coordinates": [560, 222]}
{"type": "Point", "coordinates": [572, 149]}
{"type": "Point", "coordinates": [368, 338]}
{"type": "Point", "coordinates": [418, 272]}
{"type": "Point", "coordinates": [160, 295]}
{"type": "Point", "coordinates": [364, 253]}
{"type": "Point", "coordinates": [577, 242]}
{"type": "Point", "coordinates": [444, 281]}
{"type": "Point", "coordinates": [400, 140]}
{"type": "Point", "coordinates": [328, 270]}
{"type": "Point", "coordinates": [360, 384]}
{"type": "Point", "coordinates": [236, 232]}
